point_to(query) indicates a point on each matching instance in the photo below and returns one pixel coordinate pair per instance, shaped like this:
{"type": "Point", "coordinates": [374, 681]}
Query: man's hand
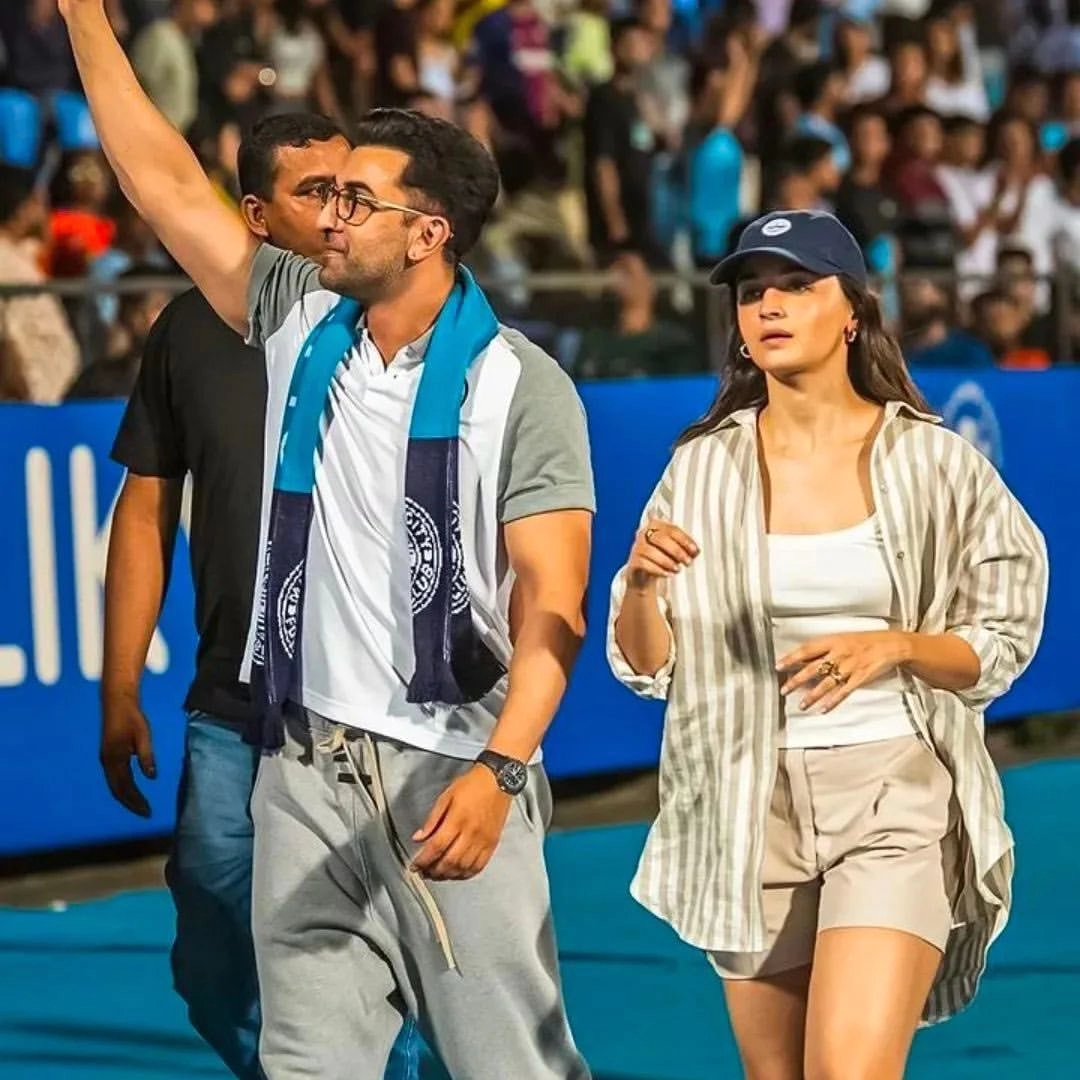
{"type": "Point", "coordinates": [464, 827]}
{"type": "Point", "coordinates": [125, 733]}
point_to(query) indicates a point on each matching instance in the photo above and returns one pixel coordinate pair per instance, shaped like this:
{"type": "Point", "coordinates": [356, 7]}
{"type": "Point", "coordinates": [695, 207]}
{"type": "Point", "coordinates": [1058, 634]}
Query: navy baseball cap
{"type": "Point", "coordinates": [812, 239]}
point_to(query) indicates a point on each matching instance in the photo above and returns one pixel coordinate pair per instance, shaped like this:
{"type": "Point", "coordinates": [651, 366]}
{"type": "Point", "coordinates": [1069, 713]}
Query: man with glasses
{"type": "Point", "coordinates": [426, 520]}
{"type": "Point", "coordinates": [198, 407]}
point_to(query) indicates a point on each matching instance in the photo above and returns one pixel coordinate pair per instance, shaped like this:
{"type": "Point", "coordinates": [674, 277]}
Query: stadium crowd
{"type": "Point", "coordinates": [635, 136]}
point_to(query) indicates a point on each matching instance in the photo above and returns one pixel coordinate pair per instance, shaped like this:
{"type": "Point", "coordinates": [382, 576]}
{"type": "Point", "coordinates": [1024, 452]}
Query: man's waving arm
{"type": "Point", "coordinates": [158, 171]}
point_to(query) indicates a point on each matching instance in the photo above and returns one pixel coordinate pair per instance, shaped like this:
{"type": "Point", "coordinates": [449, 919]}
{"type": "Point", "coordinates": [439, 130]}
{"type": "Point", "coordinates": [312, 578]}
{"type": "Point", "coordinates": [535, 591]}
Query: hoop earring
{"type": "Point", "coordinates": [744, 351]}
{"type": "Point", "coordinates": [851, 335]}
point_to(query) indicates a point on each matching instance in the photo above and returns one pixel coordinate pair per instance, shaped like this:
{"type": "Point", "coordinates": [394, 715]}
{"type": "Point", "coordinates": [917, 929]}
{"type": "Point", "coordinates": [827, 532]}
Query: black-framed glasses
{"type": "Point", "coordinates": [355, 207]}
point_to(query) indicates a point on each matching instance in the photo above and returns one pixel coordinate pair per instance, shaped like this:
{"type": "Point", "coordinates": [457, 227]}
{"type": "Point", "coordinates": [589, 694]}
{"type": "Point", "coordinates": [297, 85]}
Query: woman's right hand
{"type": "Point", "coordinates": [660, 550]}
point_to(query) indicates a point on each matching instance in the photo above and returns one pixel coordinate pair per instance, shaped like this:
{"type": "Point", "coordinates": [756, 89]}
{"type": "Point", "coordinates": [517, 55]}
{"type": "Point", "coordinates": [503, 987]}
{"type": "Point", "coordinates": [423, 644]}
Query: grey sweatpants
{"type": "Point", "coordinates": [346, 941]}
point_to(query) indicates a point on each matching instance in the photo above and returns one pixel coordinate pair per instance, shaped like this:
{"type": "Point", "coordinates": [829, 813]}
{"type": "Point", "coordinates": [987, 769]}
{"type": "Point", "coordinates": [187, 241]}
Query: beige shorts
{"type": "Point", "coordinates": [854, 838]}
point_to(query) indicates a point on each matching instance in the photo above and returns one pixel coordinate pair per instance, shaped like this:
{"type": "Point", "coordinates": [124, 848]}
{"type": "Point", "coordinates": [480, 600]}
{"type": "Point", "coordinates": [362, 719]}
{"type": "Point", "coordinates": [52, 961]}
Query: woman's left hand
{"type": "Point", "coordinates": [839, 663]}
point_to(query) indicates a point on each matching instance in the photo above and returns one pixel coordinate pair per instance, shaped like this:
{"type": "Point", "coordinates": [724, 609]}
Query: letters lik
{"type": "Point", "coordinates": [45, 491]}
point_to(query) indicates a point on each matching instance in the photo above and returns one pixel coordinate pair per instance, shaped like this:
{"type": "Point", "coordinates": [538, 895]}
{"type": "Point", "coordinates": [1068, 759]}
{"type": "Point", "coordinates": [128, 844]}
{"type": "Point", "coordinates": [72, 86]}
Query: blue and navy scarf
{"type": "Point", "coordinates": [453, 665]}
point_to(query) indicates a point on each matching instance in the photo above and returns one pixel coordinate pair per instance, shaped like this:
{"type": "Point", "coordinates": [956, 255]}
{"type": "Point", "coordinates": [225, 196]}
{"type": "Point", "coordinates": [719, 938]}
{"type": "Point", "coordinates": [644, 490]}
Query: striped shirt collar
{"type": "Point", "coordinates": [746, 418]}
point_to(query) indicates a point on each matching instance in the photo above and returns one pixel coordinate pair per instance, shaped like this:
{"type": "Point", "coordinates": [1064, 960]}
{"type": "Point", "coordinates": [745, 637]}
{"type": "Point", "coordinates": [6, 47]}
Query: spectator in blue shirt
{"type": "Point", "coordinates": [722, 90]}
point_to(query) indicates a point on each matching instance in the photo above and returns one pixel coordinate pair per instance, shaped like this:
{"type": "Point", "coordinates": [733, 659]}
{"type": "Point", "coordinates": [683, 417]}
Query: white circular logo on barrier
{"type": "Point", "coordinates": [776, 227]}
{"type": "Point", "coordinates": [288, 608]}
{"type": "Point", "coordinates": [969, 413]}
{"type": "Point", "coordinates": [425, 555]}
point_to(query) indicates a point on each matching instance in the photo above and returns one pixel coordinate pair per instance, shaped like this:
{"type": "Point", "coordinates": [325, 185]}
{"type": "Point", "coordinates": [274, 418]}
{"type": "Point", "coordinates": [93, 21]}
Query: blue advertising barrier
{"type": "Point", "coordinates": [57, 487]}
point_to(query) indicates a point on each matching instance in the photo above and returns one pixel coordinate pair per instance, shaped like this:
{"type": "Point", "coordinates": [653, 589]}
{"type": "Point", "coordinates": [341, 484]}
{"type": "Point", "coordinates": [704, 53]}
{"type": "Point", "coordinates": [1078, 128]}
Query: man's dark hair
{"type": "Point", "coordinates": [810, 83]}
{"type": "Point", "coordinates": [1001, 120]}
{"type": "Point", "coordinates": [1015, 253]}
{"type": "Point", "coordinates": [775, 178]}
{"type": "Point", "coordinates": [805, 152]}
{"type": "Point", "coordinates": [16, 186]}
{"type": "Point", "coordinates": [804, 13]}
{"type": "Point", "coordinates": [622, 26]}
{"type": "Point", "coordinates": [256, 164]}
{"type": "Point", "coordinates": [1024, 75]}
{"type": "Point", "coordinates": [960, 122]}
{"type": "Point", "coordinates": [450, 171]}
{"type": "Point", "coordinates": [906, 117]}
{"type": "Point", "coordinates": [857, 114]}
{"type": "Point", "coordinates": [985, 300]}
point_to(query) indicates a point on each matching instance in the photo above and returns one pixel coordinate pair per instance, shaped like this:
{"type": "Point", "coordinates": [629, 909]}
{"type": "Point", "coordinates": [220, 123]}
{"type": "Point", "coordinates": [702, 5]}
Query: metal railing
{"type": "Point", "coordinates": [679, 293]}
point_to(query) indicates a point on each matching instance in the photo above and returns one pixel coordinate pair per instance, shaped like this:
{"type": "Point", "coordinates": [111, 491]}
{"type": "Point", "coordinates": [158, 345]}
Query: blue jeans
{"type": "Point", "coordinates": [209, 876]}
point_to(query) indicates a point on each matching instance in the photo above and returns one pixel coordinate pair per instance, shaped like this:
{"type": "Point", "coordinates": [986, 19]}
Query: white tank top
{"type": "Point", "coordinates": [835, 583]}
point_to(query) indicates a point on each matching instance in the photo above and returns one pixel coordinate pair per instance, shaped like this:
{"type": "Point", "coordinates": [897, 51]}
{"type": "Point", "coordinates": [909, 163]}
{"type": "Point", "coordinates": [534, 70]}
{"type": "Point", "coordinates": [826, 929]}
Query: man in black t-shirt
{"type": "Point", "coordinates": [620, 148]}
{"type": "Point", "coordinates": [198, 407]}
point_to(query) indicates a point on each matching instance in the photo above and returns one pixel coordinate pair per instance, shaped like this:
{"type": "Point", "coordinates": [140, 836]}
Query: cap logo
{"type": "Point", "coordinates": [776, 227]}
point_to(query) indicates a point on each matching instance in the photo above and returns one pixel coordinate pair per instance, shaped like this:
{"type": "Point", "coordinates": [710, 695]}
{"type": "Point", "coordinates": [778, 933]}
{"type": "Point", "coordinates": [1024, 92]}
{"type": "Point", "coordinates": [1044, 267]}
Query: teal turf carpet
{"type": "Point", "coordinates": [85, 992]}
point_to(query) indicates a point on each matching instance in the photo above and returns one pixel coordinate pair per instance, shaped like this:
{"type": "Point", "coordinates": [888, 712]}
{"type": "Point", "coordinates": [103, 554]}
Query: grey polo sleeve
{"type": "Point", "coordinates": [279, 281]}
{"type": "Point", "coordinates": [545, 463]}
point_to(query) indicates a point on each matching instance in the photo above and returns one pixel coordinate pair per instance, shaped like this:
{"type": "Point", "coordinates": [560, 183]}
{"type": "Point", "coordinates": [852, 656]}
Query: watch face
{"type": "Point", "coordinates": [512, 777]}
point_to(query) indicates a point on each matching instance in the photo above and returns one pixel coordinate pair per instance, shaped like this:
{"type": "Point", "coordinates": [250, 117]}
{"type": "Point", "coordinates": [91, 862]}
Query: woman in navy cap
{"type": "Point", "coordinates": [828, 589]}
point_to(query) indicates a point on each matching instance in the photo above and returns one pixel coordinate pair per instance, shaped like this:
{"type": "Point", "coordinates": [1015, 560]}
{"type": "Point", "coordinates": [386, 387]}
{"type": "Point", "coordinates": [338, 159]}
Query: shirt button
{"type": "Point", "coordinates": [900, 556]}
{"type": "Point", "coordinates": [884, 489]}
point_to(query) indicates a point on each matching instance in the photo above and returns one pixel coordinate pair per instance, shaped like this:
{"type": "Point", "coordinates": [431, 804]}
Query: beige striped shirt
{"type": "Point", "coordinates": [964, 558]}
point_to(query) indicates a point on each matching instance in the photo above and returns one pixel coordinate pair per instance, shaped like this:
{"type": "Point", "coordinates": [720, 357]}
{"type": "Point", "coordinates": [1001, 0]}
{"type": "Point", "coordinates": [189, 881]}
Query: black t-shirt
{"type": "Point", "coordinates": [395, 35]}
{"type": "Point", "coordinates": [615, 129]}
{"type": "Point", "coordinates": [359, 14]}
{"type": "Point", "coordinates": [198, 406]}
{"type": "Point", "coordinates": [867, 210]}
{"type": "Point", "coordinates": [223, 47]}
{"type": "Point", "coordinates": [1041, 333]}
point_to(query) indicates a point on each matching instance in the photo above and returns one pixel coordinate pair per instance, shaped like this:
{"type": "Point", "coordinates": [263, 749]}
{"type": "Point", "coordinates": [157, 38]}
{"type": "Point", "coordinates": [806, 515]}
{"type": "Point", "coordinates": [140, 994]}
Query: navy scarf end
{"type": "Point", "coordinates": [470, 676]}
{"type": "Point", "coordinates": [267, 730]}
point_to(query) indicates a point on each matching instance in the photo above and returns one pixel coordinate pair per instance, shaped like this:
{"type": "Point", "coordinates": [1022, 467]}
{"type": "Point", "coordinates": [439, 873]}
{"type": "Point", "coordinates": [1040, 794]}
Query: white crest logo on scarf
{"type": "Point", "coordinates": [258, 651]}
{"type": "Point", "coordinates": [425, 555]}
{"type": "Point", "coordinates": [459, 587]}
{"type": "Point", "coordinates": [288, 608]}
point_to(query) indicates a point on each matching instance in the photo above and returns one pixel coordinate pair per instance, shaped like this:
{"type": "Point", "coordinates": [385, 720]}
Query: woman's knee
{"type": "Point", "coordinates": [853, 1054]}
{"type": "Point", "coordinates": [772, 1067]}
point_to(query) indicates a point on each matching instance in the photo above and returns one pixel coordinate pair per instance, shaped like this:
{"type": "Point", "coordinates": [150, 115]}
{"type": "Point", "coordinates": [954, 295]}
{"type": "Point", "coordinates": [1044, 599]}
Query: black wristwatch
{"type": "Point", "coordinates": [510, 774]}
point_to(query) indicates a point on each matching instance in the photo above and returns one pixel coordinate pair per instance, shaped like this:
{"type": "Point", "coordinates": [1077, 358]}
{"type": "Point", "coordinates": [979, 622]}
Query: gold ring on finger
{"type": "Point", "coordinates": [827, 669]}
{"type": "Point", "coordinates": [649, 534]}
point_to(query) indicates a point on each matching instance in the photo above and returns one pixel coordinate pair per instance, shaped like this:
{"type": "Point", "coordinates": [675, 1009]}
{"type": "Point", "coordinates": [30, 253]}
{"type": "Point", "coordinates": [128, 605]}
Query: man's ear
{"type": "Point", "coordinates": [434, 233]}
{"type": "Point", "coordinates": [251, 209]}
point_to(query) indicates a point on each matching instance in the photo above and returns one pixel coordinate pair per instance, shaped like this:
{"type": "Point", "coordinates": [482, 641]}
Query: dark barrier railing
{"type": "Point", "coordinates": [555, 297]}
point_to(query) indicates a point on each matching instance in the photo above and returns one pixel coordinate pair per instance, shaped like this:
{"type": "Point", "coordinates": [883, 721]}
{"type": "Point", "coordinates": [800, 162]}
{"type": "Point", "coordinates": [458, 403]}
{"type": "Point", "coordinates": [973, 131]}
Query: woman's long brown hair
{"type": "Point", "coordinates": [876, 368]}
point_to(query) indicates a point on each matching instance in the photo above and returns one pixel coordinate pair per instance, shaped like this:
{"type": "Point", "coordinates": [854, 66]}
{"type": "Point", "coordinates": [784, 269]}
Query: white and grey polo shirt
{"type": "Point", "coordinates": [524, 451]}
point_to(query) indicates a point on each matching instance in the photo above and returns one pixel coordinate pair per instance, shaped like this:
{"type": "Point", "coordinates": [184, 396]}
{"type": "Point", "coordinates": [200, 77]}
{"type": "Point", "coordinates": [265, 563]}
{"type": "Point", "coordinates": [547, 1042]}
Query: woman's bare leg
{"type": "Point", "coordinates": [867, 992]}
{"type": "Point", "coordinates": [768, 1016]}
